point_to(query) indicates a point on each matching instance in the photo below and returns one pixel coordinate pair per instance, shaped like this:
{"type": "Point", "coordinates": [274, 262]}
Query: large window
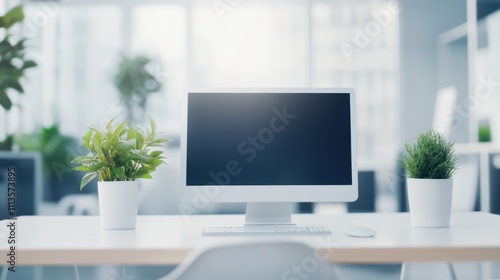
{"type": "Point", "coordinates": [220, 43]}
{"type": "Point", "coordinates": [355, 44]}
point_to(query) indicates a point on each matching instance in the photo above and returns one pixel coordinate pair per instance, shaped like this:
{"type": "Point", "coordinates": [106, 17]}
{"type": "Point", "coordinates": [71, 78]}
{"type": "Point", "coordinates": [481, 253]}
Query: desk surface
{"type": "Point", "coordinates": [67, 240]}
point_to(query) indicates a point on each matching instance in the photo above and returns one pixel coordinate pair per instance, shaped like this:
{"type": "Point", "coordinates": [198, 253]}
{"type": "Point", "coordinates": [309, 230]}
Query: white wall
{"type": "Point", "coordinates": [421, 22]}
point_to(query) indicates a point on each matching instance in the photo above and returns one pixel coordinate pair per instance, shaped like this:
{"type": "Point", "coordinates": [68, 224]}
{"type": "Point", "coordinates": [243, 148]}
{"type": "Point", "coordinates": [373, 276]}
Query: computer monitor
{"type": "Point", "coordinates": [269, 147]}
{"type": "Point", "coordinates": [24, 169]}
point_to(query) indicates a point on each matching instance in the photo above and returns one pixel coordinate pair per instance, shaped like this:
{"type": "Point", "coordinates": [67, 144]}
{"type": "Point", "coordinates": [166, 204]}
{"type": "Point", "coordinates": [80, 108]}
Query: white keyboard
{"type": "Point", "coordinates": [267, 230]}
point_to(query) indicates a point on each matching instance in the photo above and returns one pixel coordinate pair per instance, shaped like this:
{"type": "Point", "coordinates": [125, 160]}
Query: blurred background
{"type": "Point", "coordinates": [415, 65]}
{"type": "Point", "coordinates": [413, 69]}
{"type": "Point", "coordinates": [82, 48]}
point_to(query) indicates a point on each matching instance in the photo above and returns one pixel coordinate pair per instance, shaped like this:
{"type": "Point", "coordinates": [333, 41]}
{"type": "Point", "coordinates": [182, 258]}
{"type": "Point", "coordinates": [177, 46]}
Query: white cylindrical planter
{"type": "Point", "coordinates": [430, 202]}
{"type": "Point", "coordinates": [118, 204]}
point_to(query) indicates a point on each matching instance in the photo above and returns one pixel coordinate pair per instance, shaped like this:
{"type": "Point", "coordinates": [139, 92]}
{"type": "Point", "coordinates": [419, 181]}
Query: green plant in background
{"type": "Point", "coordinates": [120, 152]}
{"type": "Point", "coordinates": [484, 133]}
{"type": "Point", "coordinates": [430, 157]}
{"type": "Point", "coordinates": [54, 149]}
{"type": "Point", "coordinates": [7, 143]}
{"type": "Point", "coordinates": [12, 58]}
{"type": "Point", "coordinates": [135, 84]}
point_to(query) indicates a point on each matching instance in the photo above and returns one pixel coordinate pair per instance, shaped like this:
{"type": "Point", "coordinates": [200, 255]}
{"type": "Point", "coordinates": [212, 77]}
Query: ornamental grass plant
{"type": "Point", "coordinates": [430, 157]}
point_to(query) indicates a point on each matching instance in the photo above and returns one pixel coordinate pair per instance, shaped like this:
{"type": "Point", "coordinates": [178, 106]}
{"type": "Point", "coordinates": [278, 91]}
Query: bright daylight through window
{"type": "Point", "coordinates": [219, 43]}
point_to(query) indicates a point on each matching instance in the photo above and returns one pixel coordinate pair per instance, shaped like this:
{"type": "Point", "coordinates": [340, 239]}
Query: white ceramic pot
{"type": "Point", "coordinates": [430, 202]}
{"type": "Point", "coordinates": [118, 204]}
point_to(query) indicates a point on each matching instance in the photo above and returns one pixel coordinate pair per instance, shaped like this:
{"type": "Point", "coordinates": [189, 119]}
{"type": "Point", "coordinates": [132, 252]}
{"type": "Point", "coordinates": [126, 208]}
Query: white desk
{"type": "Point", "coordinates": [68, 240]}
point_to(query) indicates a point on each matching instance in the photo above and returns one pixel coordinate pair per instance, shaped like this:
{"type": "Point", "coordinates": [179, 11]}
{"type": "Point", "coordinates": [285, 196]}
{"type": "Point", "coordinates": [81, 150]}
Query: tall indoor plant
{"type": "Point", "coordinates": [13, 64]}
{"type": "Point", "coordinates": [135, 84]}
{"type": "Point", "coordinates": [119, 154]}
{"type": "Point", "coordinates": [430, 165]}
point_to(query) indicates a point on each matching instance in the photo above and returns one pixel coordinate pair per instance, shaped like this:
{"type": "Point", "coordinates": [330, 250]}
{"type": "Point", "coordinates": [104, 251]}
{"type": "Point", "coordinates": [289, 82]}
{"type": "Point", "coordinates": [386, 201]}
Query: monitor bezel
{"type": "Point", "coordinates": [271, 193]}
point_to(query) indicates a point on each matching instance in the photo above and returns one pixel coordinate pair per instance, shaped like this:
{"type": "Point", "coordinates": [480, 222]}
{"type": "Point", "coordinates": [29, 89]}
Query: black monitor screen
{"type": "Point", "coordinates": [288, 139]}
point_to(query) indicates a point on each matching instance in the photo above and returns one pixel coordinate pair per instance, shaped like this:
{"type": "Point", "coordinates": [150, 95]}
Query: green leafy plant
{"type": "Point", "coordinates": [12, 58]}
{"type": "Point", "coordinates": [54, 149]}
{"type": "Point", "coordinates": [135, 84]}
{"type": "Point", "coordinates": [430, 157]}
{"type": "Point", "coordinates": [120, 152]}
{"type": "Point", "coordinates": [7, 143]}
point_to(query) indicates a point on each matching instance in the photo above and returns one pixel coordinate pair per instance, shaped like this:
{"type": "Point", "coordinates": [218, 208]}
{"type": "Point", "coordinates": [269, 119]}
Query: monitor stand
{"type": "Point", "coordinates": [268, 213]}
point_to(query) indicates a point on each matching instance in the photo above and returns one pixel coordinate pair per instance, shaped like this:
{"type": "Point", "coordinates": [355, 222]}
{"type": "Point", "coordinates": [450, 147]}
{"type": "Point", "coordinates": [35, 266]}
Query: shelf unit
{"type": "Point", "coordinates": [466, 54]}
{"type": "Point", "coordinates": [459, 66]}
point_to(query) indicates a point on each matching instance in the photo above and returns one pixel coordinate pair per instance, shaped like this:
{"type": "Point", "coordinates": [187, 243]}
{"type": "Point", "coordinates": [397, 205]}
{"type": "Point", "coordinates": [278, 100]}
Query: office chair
{"type": "Point", "coordinates": [269, 260]}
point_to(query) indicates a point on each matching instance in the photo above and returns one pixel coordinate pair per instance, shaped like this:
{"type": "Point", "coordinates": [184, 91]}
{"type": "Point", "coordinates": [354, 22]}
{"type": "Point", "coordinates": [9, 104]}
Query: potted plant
{"type": "Point", "coordinates": [135, 83]}
{"type": "Point", "coordinates": [119, 154]}
{"type": "Point", "coordinates": [430, 165]}
{"type": "Point", "coordinates": [484, 131]}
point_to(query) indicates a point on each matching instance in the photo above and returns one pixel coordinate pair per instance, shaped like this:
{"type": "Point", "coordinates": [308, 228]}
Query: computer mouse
{"type": "Point", "coordinates": [361, 232]}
